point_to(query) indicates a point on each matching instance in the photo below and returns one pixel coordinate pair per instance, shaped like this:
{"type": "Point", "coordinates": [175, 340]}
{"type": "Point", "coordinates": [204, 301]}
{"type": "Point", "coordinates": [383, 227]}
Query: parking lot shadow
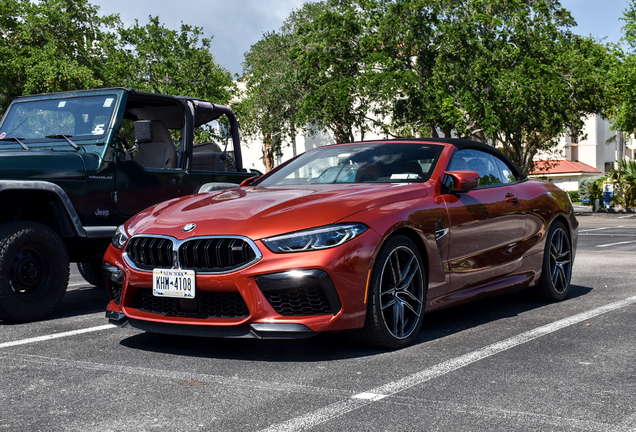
{"type": "Point", "coordinates": [334, 346]}
{"type": "Point", "coordinates": [82, 301]}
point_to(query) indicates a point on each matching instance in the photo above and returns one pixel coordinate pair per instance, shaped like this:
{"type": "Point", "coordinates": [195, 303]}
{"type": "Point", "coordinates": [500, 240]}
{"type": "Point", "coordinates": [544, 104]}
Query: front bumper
{"type": "Point", "coordinates": [289, 295]}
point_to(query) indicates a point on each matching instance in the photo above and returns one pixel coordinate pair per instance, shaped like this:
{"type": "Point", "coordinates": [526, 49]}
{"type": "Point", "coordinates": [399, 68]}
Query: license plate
{"type": "Point", "coordinates": [173, 283]}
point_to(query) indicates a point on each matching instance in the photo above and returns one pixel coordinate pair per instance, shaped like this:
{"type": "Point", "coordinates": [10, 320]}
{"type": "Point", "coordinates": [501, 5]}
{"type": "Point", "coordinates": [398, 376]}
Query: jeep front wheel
{"type": "Point", "coordinates": [34, 270]}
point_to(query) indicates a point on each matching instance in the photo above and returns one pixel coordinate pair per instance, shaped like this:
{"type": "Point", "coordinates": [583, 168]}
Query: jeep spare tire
{"type": "Point", "coordinates": [34, 271]}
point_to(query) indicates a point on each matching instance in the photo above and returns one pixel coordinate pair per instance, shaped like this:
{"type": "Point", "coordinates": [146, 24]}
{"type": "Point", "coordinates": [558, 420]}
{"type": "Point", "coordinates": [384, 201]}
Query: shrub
{"type": "Point", "coordinates": [574, 196]}
{"type": "Point", "coordinates": [624, 178]}
{"type": "Point", "coordinates": [596, 190]}
{"type": "Point", "coordinates": [584, 187]}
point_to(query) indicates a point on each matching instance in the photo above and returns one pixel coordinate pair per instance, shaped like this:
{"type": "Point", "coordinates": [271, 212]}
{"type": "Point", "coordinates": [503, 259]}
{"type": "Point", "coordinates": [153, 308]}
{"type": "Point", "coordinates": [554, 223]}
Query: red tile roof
{"type": "Point", "coordinates": [562, 167]}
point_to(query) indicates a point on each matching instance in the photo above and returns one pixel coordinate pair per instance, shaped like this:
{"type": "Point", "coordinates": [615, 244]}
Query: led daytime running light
{"type": "Point", "coordinates": [314, 239]}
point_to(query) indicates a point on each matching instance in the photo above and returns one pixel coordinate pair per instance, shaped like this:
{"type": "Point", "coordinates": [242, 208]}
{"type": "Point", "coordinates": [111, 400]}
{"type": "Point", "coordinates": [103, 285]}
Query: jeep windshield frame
{"type": "Point", "coordinates": [86, 118]}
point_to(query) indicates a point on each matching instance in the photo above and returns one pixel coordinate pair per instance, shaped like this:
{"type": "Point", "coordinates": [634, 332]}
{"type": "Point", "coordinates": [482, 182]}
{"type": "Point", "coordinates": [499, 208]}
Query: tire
{"type": "Point", "coordinates": [396, 297]}
{"type": "Point", "coordinates": [556, 274]}
{"type": "Point", "coordinates": [34, 271]}
{"type": "Point", "coordinates": [92, 272]}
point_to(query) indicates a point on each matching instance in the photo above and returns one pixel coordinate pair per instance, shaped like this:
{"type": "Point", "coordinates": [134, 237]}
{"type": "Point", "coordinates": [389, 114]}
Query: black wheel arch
{"type": "Point", "coordinates": [416, 237]}
{"type": "Point", "coordinates": [42, 202]}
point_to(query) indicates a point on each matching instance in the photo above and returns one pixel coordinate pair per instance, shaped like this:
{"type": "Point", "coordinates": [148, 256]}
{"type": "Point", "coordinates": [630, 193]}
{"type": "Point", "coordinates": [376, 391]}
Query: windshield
{"type": "Point", "coordinates": [86, 117]}
{"type": "Point", "coordinates": [360, 163]}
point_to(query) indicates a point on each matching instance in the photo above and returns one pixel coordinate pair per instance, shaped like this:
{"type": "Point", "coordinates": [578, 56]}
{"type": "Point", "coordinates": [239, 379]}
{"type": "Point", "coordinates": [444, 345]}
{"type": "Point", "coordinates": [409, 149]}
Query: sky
{"type": "Point", "coordinates": [238, 24]}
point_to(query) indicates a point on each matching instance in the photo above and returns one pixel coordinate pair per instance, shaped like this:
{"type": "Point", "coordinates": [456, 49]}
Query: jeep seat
{"type": "Point", "coordinates": [160, 152]}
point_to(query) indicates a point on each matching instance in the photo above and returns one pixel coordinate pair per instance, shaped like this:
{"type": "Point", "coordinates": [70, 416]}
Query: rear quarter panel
{"type": "Point", "coordinates": [544, 202]}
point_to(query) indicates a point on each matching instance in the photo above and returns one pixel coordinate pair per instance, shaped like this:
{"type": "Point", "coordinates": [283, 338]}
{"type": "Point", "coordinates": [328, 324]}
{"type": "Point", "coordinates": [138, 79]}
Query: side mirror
{"type": "Point", "coordinates": [461, 181]}
{"type": "Point", "coordinates": [248, 181]}
{"type": "Point", "coordinates": [143, 131]}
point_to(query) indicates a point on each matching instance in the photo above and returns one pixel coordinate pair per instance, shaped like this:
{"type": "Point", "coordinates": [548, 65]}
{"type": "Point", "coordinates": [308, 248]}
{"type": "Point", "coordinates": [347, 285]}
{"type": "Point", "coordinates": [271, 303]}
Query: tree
{"type": "Point", "coordinates": [268, 109]}
{"type": "Point", "coordinates": [330, 60]}
{"type": "Point", "coordinates": [624, 176]}
{"type": "Point", "coordinates": [505, 72]}
{"type": "Point", "coordinates": [155, 59]}
{"type": "Point", "coordinates": [402, 46]}
{"type": "Point", "coordinates": [58, 45]}
{"type": "Point", "coordinates": [50, 45]}
{"type": "Point", "coordinates": [622, 107]}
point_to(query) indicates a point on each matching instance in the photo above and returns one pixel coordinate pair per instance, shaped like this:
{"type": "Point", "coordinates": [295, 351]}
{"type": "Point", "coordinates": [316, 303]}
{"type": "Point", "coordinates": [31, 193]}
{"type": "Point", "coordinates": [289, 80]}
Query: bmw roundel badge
{"type": "Point", "coordinates": [189, 227]}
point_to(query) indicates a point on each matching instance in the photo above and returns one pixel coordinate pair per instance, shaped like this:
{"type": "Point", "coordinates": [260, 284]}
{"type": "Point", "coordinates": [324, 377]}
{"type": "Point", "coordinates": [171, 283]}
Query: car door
{"type": "Point", "coordinates": [139, 187]}
{"type": "Point", "coordinates": [154, 173]}
{"type": "Point", "coordinates": [486, 225]}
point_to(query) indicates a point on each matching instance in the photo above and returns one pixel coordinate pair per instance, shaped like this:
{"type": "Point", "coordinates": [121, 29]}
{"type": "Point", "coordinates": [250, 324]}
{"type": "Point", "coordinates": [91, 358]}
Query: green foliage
{"type": "Point", "coordinates": [268, 108]}
{"type": "Point", "coordinates": [155, 59]}
{"type": "Point", "coordinates": [330, 58]}
{"type": "Point", "coordinates": [58, 45]}
{"type": "Point", "coordinates": [584, 187]}
{"type": "Point", "coordinates": [50, 45]}
{"type": "Point", "coordinates": [623, 74]}
{"type": "Point", "coordinates": [574, 196]}
{"type": "Point", "coordinates": [595, 191]}
{"type": "Point", "coordinates": [624, 178]}
{"type": "Point", "coordinates": [508, 72]}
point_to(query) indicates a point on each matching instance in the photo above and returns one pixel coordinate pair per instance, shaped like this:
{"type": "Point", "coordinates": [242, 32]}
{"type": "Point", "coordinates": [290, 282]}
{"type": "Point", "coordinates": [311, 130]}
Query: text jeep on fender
{"type": "Point", "coordinates": [75, 165]}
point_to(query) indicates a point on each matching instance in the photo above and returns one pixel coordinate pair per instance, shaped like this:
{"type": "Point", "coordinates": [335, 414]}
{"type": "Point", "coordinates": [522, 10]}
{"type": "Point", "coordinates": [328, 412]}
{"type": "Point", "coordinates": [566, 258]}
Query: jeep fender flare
{"type": "Point", "coordinates": [6, 185]}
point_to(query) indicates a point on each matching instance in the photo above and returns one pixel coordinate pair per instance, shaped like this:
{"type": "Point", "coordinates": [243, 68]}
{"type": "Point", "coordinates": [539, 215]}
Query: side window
{"type": "Point", "coordinates": [506, 173]}
{"type": "Point", "coordinates": [476, 160]}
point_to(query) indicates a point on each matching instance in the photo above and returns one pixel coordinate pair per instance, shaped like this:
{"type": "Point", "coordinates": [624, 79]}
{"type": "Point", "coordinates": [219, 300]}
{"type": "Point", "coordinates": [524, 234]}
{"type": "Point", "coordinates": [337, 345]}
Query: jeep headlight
{"type": "Point", "coordinates": [120, 237]}
{"type": "Point", "coordinates": [315, 238]}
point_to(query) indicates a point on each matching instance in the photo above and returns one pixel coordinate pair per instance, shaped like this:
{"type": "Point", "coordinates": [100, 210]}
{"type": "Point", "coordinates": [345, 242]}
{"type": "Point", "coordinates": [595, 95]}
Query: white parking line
{"type": "Point", "coordinates": [609, 235]}
{"type": "Point", "coordinates": [368, 397]}
{"type": "Point", "coordinates": [614, 244]}
{"type": "Point", "coordinates": [598, 229]}
{"type": "Point", "coordinates": [56, 335]}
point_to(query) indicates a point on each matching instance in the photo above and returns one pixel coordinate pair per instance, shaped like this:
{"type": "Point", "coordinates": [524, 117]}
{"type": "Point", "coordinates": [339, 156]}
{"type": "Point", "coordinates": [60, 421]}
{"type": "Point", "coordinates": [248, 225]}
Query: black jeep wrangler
{"type": "Point", "coordinates": [75, 165]}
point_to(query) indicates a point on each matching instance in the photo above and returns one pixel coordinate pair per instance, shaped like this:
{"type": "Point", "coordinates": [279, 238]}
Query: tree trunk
{"type": "Point", "coordinates": [268, 154]}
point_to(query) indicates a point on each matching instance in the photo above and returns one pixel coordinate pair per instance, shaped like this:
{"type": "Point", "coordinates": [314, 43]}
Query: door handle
{"type": "Point", "coordinates": [174, 181]}
{"type": "Point", "coordinates": [511, 199]}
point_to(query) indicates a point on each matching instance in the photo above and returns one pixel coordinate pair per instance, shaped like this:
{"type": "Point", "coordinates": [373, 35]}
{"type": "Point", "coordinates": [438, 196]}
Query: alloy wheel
{"type": "Point", "coordinates": [401, 292]}
{"type": "Point", "coordinates": [560, 260]}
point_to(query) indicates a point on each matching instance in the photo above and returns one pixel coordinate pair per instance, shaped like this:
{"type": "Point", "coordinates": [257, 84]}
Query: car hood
{"type": "Point", "coordinates": [45, 165]}
{"type": "Point", "coordinates": [263, 211]}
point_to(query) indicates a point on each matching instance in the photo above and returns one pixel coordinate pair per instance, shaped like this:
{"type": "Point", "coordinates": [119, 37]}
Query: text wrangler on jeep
{"type": "Point", "coordinates": [75, 165]}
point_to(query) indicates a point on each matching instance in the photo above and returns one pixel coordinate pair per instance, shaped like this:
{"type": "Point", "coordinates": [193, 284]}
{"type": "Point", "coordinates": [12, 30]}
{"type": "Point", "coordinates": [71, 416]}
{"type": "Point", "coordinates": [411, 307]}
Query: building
{"type": "Point", "coordinates": [592, 154]}
{"type": "Point", "coordinates": [564, 173]}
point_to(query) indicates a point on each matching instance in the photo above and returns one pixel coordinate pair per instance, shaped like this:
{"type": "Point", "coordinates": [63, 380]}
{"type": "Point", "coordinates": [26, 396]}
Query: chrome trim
{"type": "Point", "coordinates": [176, 244]}
{"type": "Point", "coordinates": [440, 233]}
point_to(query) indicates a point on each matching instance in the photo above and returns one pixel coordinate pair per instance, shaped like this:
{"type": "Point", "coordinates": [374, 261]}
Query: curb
{"type": "Point", "coordinates": [615, 210]}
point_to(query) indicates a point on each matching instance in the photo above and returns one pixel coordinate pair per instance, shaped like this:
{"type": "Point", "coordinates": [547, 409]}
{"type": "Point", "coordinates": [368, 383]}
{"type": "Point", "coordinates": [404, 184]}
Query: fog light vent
{"type": "Point", "coordinates": [300, 293]}
{"type": "Point", "coordinates": [115, 289]}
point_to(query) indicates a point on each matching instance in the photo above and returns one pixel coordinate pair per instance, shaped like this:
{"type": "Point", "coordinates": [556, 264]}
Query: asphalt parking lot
{"type": "Point", "coordinates": [499, 364]}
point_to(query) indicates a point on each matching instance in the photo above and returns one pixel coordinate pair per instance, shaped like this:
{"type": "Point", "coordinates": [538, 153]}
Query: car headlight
{"type": "Point", "coordinates": [315, 238]}
{"type": "Point", "coordinates": [120, 237]}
